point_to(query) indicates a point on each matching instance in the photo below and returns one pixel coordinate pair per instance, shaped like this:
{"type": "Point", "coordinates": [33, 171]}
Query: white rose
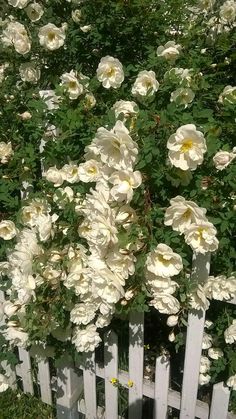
{"type": "Point", "coordinates": [160, 284]}
{"type": "Point", "coordinates": [171, 337]}
{"type": "Point", "coordinates": [126, 216]}
{"type": "Point", "coordinates": [186, 147]}
{"type": "Point", "coordinates": [202, 237]}
{"type": "Point", "coordinates": [126, 108]}
{"type": "Point", "coordinates": [3, 67]}
{"type": "Point", "coordinates": [10, 309]}
{"type": "Point", "coordinates": [34, 11]}
{"type": "Point", "coordinates": [215, 353]}
{"type": "Point", "coordinates": [163, 262]}
{"type": "Point", "coordinates": [170, 51]}
{"type": "Point", "coordinates": [7, 230]}
{"type": "Point", "coordinates": [222, 159]}
{"type": "Point", "coordinates": [45, 227]}
{"type": "Point", "coordinates": [82, 313]}
{"type": "Point", "coordinates": [51, 37]}
{"type": "Point", "coordinates": [165, 303]}
{"type": "Point", "coordinates": [72, 84]}
{"type": "Point", "coordinates": [76, 15]}
{"type": "Point", "coordinates": [231, 382]}
{"type": "Point", "coordinates": [15, 34]}
{"type": "Point", "coordinates": [220, 287]}
{"type": "Point", "coordinates": [228, 12]}
{"type": "Point", "coordinates": [204, 379]}
{"type": "Point", "coordinates": [121, 262]}
{"type": "Point", "coordinates": [115, 147]}
{"type": "Point", "coordinates": [3, 383]}
{"type": "Point", "coordinates": [5, 151]}
{"type": "Point", "coordinates": [182, 96]}
{"type": "Point", "coordinates": [110, 72]}
{"type": "Point", "coordinates": [30, 213]}
{"type": "Point", "coordinates": [90, 171]}
{"type": "Point", "coordinates": [205, 364]}
{"type": "Point", "coordinates": [70, 173]}
{"type": "Point", "coordinates": [86, 28]}
{"type": "Point", "coordinates": [181, 214]}
{"type": "Point", "coordinates": [228, 95]}
{"type": "Point", "coordinates": [172, 321]}
{"type": "Point", "coordinates": [145, 84]}
{"type": "Point", "coordinates": [124, 183]}
{"type": "Point", "coordinates": [198, 300]}
{"type": "Point", "coordinates": [100, 232]}
{"type": "Point", "coordinates": [54, 175]}
{"type": "Point", "coordinates": [25, 116]}
{"type": "Point", "coordinates": [89, 101]}
{"type": "Point", "coordinates": [29, 72]}
{"type": "Point", "coordinates": [230, 333]}
{"type": "Point", "coordinates": [87, 339]}
{"type": "Point", "coordinates": [15, 335]}
{"type": "Point", "coordinates": [103, 321]}
{"type": "Point", "coordinates": [20, 4]}
{"type": "Point", "coordinates": [206, 341]}
{"type": "Point", "coordinates": [206, 4]}
{"type": "Point", "coordinates": [107, 285]}
{"type": "Point", "coordinates": [50, 98]}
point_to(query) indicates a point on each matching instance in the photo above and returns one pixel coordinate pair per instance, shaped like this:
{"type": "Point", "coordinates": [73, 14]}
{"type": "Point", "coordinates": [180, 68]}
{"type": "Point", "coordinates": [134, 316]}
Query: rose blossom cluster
{"type": "Point", "coordinates": [189, 219]}
{"type": "Point", "coordinates": [161, 265]}
{"type": "Point", "coordinates": [209, 353]}
{"type": "Point", "coordinates": [96, 273]}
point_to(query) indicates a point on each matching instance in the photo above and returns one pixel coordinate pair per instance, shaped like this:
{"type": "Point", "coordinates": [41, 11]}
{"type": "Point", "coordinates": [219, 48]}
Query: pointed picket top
{"type": "Point", "coordinates": [25, 369]}
{"type": "Point", "coordinates": [162, 378]}
{"type": "Point", "coordinates": [136, 356]}
{"type": "Point", "coordinates": [193, 351]}
{"type": "Point", "coordinates": [220, 402]}
{"type": "Point", "coordinates": [111, 373]}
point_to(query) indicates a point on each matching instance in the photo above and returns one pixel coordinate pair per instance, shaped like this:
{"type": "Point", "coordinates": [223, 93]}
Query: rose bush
{"type": "Point", "coordinates": [117, 161]}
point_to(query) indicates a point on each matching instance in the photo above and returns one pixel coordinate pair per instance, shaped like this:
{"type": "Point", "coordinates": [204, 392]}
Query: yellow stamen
{"type": "Point", "coordinates": [72, 84]}
{"type": "Point", "coordinates": [110, 72]}
{"type": "Point", "coordinates": [51, 36]}
{"type": "Point", "coordinates": [187, 214]}
{"type": "Point", "coordinates": [187, 145]}
{"type": "Point", "coordinates": [92, 170]}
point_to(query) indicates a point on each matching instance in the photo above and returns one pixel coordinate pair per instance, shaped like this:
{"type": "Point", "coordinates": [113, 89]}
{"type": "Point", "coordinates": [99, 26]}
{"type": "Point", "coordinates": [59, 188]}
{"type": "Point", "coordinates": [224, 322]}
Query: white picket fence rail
{"type": "Point", "coordinates": [76, 392]}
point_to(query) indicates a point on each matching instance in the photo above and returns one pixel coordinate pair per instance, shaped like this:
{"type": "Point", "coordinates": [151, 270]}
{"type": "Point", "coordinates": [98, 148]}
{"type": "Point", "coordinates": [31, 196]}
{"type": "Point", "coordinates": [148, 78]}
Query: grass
{"type": "Point", "coordinates": [17, 405]}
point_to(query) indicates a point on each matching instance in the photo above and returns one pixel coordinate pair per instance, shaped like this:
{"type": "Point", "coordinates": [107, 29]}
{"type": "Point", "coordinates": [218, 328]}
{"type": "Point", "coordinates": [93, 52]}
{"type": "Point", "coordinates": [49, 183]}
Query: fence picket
{"type": "Point", "coordinates": [201, 267]}
{"type": "Point", "coordinates": [45, 381]}
{"type": "Point", "coordinates": [220, 402]}
{"type": "Point", "coordinates": [25, 369]}
{"type": "Point", "coordinates": [10, 372]}
{"type": "Point", "coordinates": [162, 378]}
{"type": "Point", "coordinates": [69, 388]}
{"type": "Point", "coordinates": [111, 371]}
{"type": "Point", "coordinates": [90, 387]}
{"type": "Point", "coordinates": [136, 342]}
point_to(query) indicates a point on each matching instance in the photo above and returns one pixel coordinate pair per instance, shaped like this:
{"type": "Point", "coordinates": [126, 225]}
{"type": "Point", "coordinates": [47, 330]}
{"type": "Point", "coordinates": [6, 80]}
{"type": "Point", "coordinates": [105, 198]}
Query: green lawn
{"type": "Point", "coordinates": [17, 405]}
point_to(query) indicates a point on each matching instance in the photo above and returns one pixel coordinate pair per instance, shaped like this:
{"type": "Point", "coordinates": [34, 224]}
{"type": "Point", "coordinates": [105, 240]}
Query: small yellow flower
{"type": "Point", "coordinates": [147, 346]}
{"type": "Point", "coordinates": [114, 381]}
{"type": "Point", "coordinates": [130, 383]}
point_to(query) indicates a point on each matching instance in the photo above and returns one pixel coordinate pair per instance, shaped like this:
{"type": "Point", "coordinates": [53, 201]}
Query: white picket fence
{"type": "Point", "coordinates": [76, 391]}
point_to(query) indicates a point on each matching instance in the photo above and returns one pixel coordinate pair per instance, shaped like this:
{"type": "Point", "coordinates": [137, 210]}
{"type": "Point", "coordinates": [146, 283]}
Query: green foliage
{"type": "Point", "coordinates": [130, 30]}
{"type": "Point", "coordinates": [18, 405]}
